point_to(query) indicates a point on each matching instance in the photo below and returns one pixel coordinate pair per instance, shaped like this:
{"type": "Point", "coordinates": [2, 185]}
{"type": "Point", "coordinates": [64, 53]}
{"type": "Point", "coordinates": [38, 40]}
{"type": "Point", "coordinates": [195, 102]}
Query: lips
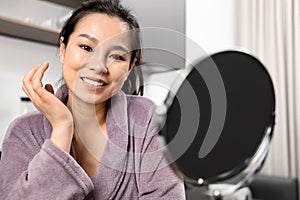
{"type": "Point", "coordinates": [93, 81]}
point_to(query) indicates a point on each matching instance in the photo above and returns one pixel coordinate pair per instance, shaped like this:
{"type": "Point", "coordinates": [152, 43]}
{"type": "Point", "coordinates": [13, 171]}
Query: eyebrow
{"type": "Point", "coordinates": [91, 38]}
{"type": "Point", "coordinates": [119, 48]}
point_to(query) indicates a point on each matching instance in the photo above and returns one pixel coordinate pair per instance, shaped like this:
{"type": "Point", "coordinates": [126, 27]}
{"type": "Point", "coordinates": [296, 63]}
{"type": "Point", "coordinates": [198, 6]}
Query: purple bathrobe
{"type": "Point", "coordinates": [132, 165]}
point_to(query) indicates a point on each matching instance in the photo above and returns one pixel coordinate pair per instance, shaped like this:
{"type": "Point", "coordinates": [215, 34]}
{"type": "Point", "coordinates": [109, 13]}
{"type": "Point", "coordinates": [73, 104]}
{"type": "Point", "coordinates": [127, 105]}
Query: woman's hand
{"type": "Point", "coordinates": [45, 101]}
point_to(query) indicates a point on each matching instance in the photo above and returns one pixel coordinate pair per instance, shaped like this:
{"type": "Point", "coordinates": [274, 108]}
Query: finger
{"type": "Point", "coordinates": [39, 73]}
{"type": "Point", "coordinates": [49, 88]}
{"type": "Point", "coordinates": [32, 82]}
{"type": "Point", "coordinates": [29, 75]}
{"type": "Point", "coordinates": [26, 83]}
{"type": "Point", "coordinates": [37, 85]}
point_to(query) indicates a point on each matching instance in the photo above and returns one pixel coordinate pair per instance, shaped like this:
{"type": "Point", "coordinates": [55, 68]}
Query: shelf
{"type": "Point", "coordinates": [68, 3]}
{"type": "Point", "coordinates": [28, 31]}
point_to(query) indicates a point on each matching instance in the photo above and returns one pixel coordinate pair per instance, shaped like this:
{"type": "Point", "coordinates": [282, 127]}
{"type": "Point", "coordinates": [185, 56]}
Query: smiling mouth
{"type": "Point", "coordinates": [95, 83]}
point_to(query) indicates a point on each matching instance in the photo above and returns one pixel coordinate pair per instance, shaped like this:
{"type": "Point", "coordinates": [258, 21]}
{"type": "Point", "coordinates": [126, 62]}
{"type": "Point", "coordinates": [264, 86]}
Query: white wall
{"type": "Point", "coordinates": [210, 26]}
{"type": "Point", "coordinates": [211, 23]}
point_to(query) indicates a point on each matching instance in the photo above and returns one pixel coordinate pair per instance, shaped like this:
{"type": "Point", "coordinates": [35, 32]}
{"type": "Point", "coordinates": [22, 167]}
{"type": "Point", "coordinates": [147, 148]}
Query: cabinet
{"type": "Point", "coordinates": [19, 29]}
{"type": "Point", "coordinates": [28, 31]}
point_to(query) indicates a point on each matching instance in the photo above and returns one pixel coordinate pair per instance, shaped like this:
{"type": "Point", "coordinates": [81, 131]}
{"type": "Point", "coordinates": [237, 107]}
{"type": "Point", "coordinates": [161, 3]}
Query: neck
{"type": "Point", "coordinates": [90, 134]}
{"type": "Point", "coordinates": [86, 113]}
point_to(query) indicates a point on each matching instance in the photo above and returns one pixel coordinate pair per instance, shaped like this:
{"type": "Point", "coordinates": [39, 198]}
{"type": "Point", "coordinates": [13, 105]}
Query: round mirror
{"type": "Point", "coordinates": [218, 116]}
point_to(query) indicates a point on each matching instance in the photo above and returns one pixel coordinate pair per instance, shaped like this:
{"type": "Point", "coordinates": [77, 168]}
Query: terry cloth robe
{"type": "Point", "coordinates": [132, 165]}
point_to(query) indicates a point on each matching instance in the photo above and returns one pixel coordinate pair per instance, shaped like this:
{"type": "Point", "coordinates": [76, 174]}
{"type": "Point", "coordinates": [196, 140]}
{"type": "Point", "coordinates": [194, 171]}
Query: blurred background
{"type": "Point", "coordinates": [267, 29]}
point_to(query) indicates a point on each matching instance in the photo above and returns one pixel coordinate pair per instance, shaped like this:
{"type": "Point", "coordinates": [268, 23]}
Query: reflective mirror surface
{"type": "Point", "coordinates": [213, 137]}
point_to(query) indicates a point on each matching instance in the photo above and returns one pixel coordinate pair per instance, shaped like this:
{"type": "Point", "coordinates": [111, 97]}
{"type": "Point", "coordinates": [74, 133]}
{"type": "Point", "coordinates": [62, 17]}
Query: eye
{"type": "Point", "coordinates": [86, 48]}
{"type": "Point", "coordinates": [117, 57]}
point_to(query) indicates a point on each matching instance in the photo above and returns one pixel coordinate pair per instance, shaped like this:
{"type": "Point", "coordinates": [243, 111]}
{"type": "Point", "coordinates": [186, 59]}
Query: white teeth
{"type": "Point", "coordinates": [91, 82]}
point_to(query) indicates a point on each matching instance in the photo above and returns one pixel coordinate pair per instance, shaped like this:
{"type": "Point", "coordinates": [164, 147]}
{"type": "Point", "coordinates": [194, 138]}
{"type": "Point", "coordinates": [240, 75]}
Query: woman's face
{"type": "Point", "coordinates": [96, 60]}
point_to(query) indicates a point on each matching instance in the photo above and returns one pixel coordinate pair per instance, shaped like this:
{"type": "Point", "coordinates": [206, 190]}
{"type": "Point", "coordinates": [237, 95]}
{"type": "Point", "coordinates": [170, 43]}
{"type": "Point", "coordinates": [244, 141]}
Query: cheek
{"type": "Point", "coordinates": [69, 76]}
{"type": "Point", "coordinates": [119, 72]}
{"type": "Point", "coordinates": [119, 76]}
{"type": "Point", "coordinates": [74, 56]}
{"type": "Point", "coordinates": [73, 62]}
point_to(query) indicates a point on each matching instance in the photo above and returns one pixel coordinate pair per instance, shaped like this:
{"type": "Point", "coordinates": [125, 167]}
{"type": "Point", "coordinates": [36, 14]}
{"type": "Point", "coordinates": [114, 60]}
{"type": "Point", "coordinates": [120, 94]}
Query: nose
{"type": "Point", "coordinates": [96, 63]}
{"type": "Point", "coordinates": [98, 68]}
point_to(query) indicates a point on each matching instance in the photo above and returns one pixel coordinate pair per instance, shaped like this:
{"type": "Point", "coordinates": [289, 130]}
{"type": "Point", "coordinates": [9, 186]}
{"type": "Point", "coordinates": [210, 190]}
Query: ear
{"type": "Point", "coordinates": [62, 50]}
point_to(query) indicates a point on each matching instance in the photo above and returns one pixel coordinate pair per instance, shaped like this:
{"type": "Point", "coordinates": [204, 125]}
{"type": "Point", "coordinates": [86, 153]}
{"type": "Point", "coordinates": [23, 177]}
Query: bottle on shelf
{"type": "Point", "coordinates": [26, 105]}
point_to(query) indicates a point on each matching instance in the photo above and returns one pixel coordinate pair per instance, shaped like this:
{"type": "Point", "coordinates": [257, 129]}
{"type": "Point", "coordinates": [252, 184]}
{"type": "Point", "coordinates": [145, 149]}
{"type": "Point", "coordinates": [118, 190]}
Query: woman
{"type": "Point", "coordinates": [90, 141]}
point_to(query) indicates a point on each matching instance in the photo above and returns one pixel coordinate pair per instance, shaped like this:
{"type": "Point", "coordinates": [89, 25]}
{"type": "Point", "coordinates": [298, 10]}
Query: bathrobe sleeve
{"type": "Point", "coordinates": [35, 168]}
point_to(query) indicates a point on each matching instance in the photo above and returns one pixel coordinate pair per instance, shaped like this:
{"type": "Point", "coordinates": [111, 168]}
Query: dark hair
{"type": "Point", "coordinates": [113, 8]}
